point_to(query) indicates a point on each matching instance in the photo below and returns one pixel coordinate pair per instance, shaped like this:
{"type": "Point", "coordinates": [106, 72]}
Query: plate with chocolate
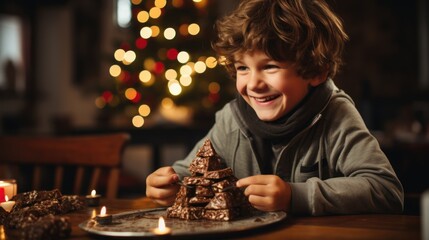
{"type": "Point", "coordinates": [207, 202]}
{"type": "Point", "coordinates": [142, 223]}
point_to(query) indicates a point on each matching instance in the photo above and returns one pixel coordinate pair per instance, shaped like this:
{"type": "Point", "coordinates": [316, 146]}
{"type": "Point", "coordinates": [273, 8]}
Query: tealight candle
{"type": "Point", "coordinates": [8, 205]}
{"type": "Point", "coordinates": [103, 218]}
{"type": "Point", "coordinates": [93, 199]}
{"type": "Point", "coordinates": [162, 229]}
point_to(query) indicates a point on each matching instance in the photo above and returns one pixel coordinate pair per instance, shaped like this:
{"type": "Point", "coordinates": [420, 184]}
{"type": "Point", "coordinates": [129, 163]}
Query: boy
{"type": "Point", "coordinates": [295, 141]}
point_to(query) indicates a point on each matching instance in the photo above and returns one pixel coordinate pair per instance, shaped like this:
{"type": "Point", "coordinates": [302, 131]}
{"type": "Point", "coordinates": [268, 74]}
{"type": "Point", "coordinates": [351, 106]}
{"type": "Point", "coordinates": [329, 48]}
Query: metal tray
{"type": "Point", "coordinates": [140, 223]}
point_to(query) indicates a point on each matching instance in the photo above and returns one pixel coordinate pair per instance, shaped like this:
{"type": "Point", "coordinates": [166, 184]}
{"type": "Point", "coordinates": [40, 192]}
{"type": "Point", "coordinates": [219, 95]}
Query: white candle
{"type": "Point", "coordinates": [8, 205]}
{"type": "Point", "coordinates": [162, 229]}
{"type": "Point", "coordinates": [93, 199]}
{"type": "Point", "coordinates": [103, 218]}
{"type": "Point", "coordinates": [9, 187]}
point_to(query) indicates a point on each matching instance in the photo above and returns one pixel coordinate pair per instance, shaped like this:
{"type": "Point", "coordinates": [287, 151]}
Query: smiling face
{"type": "Point", "coordinates": [270, 87]}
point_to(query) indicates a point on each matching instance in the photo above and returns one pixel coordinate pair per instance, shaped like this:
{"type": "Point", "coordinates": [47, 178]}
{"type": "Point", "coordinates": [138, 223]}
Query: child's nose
{"type": "Point", "coordinates": [256, 80]}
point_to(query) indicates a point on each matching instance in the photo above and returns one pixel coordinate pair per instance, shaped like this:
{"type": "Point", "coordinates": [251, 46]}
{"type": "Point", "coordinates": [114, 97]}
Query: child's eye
{"type": "Point", "coordinates": [240, 68]}
{"type": "Point", "coordinates": [271, 66]}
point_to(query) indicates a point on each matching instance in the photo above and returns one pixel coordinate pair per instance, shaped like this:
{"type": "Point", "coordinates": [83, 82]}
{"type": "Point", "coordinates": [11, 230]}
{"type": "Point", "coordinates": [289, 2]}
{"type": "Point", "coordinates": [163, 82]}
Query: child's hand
{"type": "Point", "coordinates": [267, 192]}
{"type": "Point", "coordinates": [160, 186]}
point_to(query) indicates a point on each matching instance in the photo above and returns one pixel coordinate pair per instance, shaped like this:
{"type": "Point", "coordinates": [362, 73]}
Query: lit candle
{"type": "Point", "coordinates": [9, 187]}
{"type": "Point", "coordinates": [103, 218]}
{"type": "Point", "coordinates": [8, 205]}
{"type": "Point", "coordinates": [93, 199]}
{"type": "Point", "coordinates": [162, 229]}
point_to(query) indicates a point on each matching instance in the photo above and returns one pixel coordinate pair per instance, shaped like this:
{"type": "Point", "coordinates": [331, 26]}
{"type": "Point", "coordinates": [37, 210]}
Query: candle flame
{"type": "Point", "coordinates": [103, 211]}
{"type": "Point", "coordinates": [6, 198]}
{"type": "Point", "coordinates": [161, 224]}
{"type": "Point", "coordinates": [93, 192]}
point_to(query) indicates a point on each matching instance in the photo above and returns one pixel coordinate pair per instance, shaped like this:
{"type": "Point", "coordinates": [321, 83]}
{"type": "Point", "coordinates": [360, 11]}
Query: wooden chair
{"type": "Point", "coordinates": [87, 156]}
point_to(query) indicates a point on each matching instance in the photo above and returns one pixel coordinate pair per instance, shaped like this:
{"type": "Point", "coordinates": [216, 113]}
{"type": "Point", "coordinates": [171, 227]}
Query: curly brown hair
{"type": "Point", "coordinates": [305, 32]}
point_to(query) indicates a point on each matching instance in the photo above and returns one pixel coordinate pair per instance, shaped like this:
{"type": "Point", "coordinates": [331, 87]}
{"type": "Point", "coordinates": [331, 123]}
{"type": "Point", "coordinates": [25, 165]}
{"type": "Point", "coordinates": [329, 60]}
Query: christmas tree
{"type": "Point", "coordinates": [167, 63]}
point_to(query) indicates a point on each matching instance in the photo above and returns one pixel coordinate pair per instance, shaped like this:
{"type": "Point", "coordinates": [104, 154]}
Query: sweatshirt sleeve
{"type": "Point", "coordinates": [362, 179]}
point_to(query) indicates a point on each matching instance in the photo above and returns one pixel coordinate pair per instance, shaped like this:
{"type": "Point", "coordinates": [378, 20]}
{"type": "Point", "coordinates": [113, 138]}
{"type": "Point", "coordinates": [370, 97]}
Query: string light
{"type": "Point", "coordinates": [193, 29]}
{"type": "Point", "coordinates": [144, 110]}
{"type": "Point", "coordinates": [138, 121]}
{"type": "Point", "coordinates": [169, 33]}
{"type": "Point", "coordinates": [183, 57]}
{"type": "Point", "coordinates": [129, 56]}
{"type": "Point", "coordinates": [185, 70]}
{"type": "Point", "coordinates": [155, 31]}
{"type": "Point", "coordinates": [143, 16]}
{"type": "Point", "coordinates": [200, 67]}
{"type": "Point", "coordinates": [119, 54]}
{"type": "Point", "coordinates": [146, 32]}
{"type": "Point", "coordinates": [185, 80]}
{"type": "Point", "coordinates": [145, 76]}
{"type": "Point", "coordinates": [155, 12]}
{"type": "Point", "coordinates": [171, 74]}
{"type": "Point", "coordinates": [115, 70]}
{"type": "Point", "coordinates": [211, 62]}
{"type": "Point", "coordinates": [160, 3]}
{"type": "Point", "coordinates": [174, 87]}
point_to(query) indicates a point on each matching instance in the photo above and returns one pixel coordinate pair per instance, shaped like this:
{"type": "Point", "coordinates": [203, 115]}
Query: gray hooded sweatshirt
{"type": "Point", "coordinates": [334, 165]}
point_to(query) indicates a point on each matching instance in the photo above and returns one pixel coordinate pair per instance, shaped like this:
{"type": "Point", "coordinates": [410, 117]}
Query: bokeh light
{"type": "Point", "coordinates": [174, 87]}
{"type": "Point", "coordinates": [145, 76]}
{"type": "Point", "coordinates": [119, 54]}
{"type": "Point", "coordinates": [183, 57]}
{"type": "Point", "coordinates": [143, 16]}
{"type": "Point", "coordinates": [146, 32]}
{"type": "Point", "coordinates": [185, 80]}
{"type": "Point", "coordinates": [200, 67]}
{"type": "Point", "coordinates": [155, 12]}
{"type": "Point", "coordinates": [169, 33]}
{"type": "Point", "coordinates": [115, 70]}
{"type": "Point", "coordinates": [193, 29]}
{"type": "Point", "coordinates": [211, 62]}
{"type": "Point", "coordinates": [155, 31]}
{"type": "Point", "coordinates": [138, 121]}
{"type": "Point", "coordinates": [171, 74]}
{"type": "Point", "coordinates": [160, 3]}
{"type": "Point", "coordinates": [144, 110]}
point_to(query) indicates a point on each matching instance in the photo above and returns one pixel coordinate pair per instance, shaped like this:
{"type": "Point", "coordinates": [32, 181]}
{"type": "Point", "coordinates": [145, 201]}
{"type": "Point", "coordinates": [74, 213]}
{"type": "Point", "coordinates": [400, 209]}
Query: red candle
{"type": "Point", "coordinates": [2, 199]}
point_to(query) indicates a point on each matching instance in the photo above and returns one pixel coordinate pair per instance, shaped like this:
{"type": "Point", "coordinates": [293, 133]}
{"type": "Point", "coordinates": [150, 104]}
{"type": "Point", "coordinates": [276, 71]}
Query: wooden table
{"type": "Point", "coordinates": [328, 227]}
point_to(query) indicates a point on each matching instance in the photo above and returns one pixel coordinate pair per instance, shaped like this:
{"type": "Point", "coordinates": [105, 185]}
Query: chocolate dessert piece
{"type": "Point", "coordinates": [200, 165]}
{"type": "Point", "coordinates": [30, 198]}
{"type": "Point", "coordinates": [219, 174]}
{"type": "Point", "coordinates": [186, 213]}
{"type": "Point", "coordinates": [222, 200]}
{"type": "Point", "coordinates": [226, 183]}
{"type": "Point", "coordinates": [197, 181]}
{"type": "Point", "coordinates": [206, 150]}
{"type": "Point", "coordinates": [204, 191]}
{"type": "Point", "coordinates": [197, 201]}
{"type": "Point", "coordinates": [47, 227]}
{"type": "Point", "coordinates": [34, 215]}
{"type": "Point", "coordinates": [210, 192]}
{"type": "Point", "coordinates": [221, 214]}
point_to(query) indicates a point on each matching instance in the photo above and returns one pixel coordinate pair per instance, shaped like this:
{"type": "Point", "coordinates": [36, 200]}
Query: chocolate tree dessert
{"type": "Point", "coordinates": [210, 192]}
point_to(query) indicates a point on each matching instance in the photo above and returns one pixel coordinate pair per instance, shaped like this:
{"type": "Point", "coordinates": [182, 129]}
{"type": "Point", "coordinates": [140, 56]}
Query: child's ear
{"type": "Point", "coordinates": [317, 80]}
